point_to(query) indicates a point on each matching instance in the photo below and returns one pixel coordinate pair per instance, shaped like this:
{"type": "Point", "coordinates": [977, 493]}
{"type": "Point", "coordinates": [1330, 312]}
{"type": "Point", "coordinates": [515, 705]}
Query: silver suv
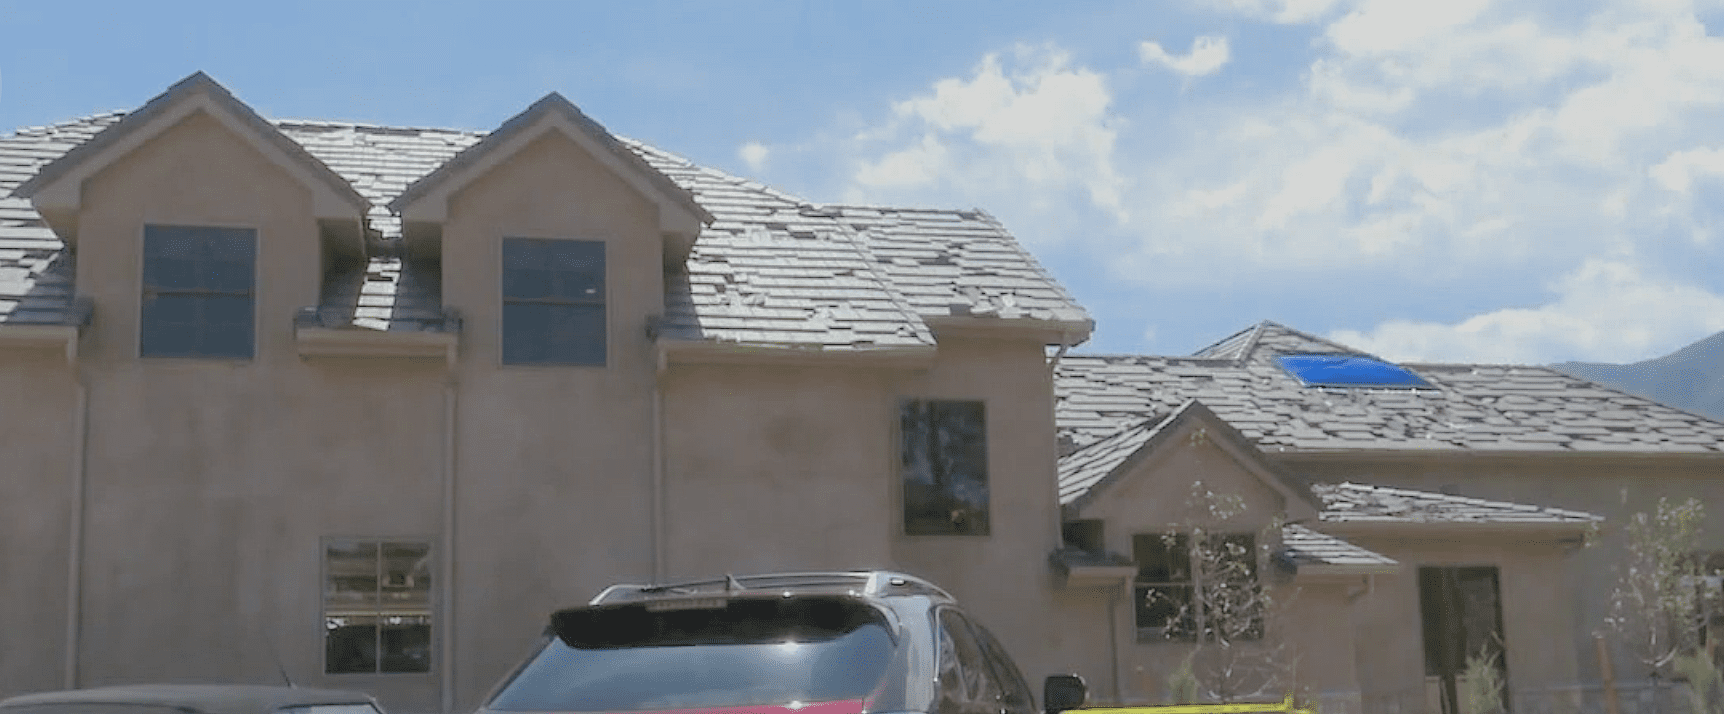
{"type": "Point", "coordinates": [809, 643]}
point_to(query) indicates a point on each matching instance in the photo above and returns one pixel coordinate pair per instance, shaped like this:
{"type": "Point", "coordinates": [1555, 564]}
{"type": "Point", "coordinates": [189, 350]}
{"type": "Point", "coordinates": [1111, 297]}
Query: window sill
{"type": "Point", "coordinates": [362, 342]}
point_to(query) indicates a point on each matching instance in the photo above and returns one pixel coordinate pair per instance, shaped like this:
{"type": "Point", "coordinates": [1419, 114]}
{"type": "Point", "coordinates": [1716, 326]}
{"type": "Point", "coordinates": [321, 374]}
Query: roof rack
{"type": "Point", "coordinates": [866, 582]}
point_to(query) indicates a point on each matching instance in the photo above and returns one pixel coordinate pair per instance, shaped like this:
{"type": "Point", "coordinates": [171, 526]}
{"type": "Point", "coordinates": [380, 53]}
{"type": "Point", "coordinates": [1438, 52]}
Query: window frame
{"type": "Point", "coordinates": [1192, 584]}
{"type": "Point", "coordinates": [900, 467]}
{"type": "Point", "coordinates": [140, 287]}
{"type": "Point", "coordinates": [434, 607]}
{"type": "Point", "coordinates": [500, 254]}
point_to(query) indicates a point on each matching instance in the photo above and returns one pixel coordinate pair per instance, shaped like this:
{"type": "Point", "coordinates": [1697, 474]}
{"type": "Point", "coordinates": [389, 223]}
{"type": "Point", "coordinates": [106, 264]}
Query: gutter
{"type": "Point", "coordinates": [75, 538]}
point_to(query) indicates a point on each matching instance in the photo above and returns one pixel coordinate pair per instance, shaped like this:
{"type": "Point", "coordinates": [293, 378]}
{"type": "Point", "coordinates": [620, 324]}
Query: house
{"type": "Point", "coordinates": [361, 405]}
{"type": "Point", "coordinates": [364, 404]}
{"type": "Point", "coordinates": [1482, 483]}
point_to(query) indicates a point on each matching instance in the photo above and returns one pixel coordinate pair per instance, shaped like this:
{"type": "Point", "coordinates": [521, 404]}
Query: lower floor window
{"type": "Point", "coordinates": [1205, 588]}
{"type": "Point", "coordinates": [376, 606]}
{"type": "Point", "coordinates": [1463, 630]}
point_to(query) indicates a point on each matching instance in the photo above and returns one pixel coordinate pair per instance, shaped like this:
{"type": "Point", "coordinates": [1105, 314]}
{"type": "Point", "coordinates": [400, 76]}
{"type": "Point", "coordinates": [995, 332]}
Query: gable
{"type": "Point", "coordinates": [554, 188]}
{"type": "Point", "coordinates": [57, 190]}
{"type": "Point", "coordinates": [1149, 479]}
{"type": "Point", "coordinates": [426, 201]}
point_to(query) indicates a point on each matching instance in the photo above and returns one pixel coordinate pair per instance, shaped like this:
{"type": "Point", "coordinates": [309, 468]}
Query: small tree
{"type": "Point", "coordinates": [1237, 652]}
{"type": "Point", "coordinates": [1657, 604]}
{"type": "Point", "coordinates": [1483, 691]}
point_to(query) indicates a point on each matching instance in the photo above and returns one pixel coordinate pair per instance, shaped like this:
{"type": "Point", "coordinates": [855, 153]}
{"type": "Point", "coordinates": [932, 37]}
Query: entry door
{"type": "Point", "coordinates": [1462, 611]}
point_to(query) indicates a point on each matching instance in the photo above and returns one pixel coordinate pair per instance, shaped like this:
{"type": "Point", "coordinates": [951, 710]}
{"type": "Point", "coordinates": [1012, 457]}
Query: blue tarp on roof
{"type": "Point", "coordinates": [1349, 371]}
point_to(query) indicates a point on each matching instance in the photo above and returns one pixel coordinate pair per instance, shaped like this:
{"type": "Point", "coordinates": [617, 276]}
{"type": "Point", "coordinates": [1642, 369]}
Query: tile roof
{"type": "Point", "coordinates": [1473, 408]}
{"type": "Point", "coordinates": [771, 269]}
{"type": "Point", "coordinates": [1363, 503]}
{"type": "Point", "coordinates": [1305, 548]}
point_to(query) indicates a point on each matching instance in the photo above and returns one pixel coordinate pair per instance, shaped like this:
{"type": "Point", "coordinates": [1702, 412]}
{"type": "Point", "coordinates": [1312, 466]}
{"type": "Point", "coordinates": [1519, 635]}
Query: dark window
{"type": "Point", "coordinates": [945, 467]}
{"type": "Point", "coordinates": [1350, 371]}
{"type": "Point", "coordinates": [1163, 586]}
{"type": "Point", "coordinates": [198, 292]}
{"type": "Point", "coordinates": [1085, 535]}
{"type": "Point", "coordinates": [377, 606]}
{"type": "Point", "coordinates": [1462, 616]}
{"type": "Point", "coordinates": [553, 302]}
{"type": "Point", "coordinates": [1181, 591]}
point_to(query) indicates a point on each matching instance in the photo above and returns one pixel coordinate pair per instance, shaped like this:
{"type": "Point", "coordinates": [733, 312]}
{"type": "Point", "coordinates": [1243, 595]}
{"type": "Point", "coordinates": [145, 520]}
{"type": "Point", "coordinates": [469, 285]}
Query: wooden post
{"type": "Point", "coordinates": [1608, 675]}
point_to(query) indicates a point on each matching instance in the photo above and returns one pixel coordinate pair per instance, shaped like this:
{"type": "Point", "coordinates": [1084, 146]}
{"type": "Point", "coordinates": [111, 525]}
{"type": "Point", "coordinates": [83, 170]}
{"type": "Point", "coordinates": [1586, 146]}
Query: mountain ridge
{"type": "Point", "coordinates": [1691, 378]}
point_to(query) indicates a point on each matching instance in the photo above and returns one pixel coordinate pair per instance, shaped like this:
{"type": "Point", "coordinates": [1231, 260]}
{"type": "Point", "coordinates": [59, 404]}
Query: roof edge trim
{"type": "Point", "coordinates": [426, 199]}
{"type": "Point", "coordinates": [59, 184]}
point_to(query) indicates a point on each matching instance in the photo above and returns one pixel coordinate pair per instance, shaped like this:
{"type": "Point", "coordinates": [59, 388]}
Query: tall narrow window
{"type": "Point", "coordinates": [377, 606]}
{"type": "Point", "coordinates": [1462, 614]}
{"type": "Point", "coordinates": [945, 467]}
{"type": "Point", "coordinates": [198, 292]}
{"type": "Point", "coordinates": [553, 302]}
{"type": "Point", "coordinates": [1163, 586]}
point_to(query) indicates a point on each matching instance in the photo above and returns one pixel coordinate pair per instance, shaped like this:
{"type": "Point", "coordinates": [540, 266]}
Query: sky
{"type": "Point", "coordinates": [1527, 181]}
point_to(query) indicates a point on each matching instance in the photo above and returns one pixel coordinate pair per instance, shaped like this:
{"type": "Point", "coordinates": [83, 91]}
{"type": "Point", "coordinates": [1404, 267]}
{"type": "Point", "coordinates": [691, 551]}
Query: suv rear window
{"type": "Point", "coordinates": [698, 654]}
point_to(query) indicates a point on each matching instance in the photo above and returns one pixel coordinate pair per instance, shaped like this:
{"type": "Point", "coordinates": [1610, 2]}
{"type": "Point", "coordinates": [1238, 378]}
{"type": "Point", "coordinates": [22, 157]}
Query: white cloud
{"type": "Point", "coordinates": [1606, 310]}
{"type": "Point", "coordinates": [1424, 145]}
{"type": "Point", "coordinates": [754, 154]}
{"type": "Point", "coordinates": [1677, 173]}
{"type": "Point", "coordinates": [1027, 123]}
{"type": "Point", "coordinates": [1287, 12]}
{"type": "Point", "coordinates": [1208, 54]}
{"type": "Point", "coordinates": [1388, 26]}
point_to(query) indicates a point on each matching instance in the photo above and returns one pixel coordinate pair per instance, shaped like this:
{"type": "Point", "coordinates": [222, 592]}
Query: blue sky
{"type": "Point", "coordinates": [1471, 180]}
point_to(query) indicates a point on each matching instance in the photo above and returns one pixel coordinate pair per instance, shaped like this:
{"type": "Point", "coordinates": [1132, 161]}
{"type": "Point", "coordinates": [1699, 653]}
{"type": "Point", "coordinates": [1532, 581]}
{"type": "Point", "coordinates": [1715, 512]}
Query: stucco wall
{"type": "Point", "coordinates": [1613, 487]}
{"type": "Point", "coordinates": [1536, 613]}
{"type": "Point", "coordinates": [775, 468]}
{"type": "Point", "coordinates": [35, 495]}
{"type": "Point", "coordinates": [1155, 495]}
{"type": "Point", "coordinates": [213, 482]}
{"type": "Point", "coordinates": [1004, 578]}
{"type": "Point", "coordinates": [553, 461]}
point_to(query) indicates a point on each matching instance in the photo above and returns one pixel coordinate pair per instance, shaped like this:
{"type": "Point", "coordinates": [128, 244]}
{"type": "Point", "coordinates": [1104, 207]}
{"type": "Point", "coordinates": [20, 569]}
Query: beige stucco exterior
{"type": "Point", "coordinates": [212, 485]}
{"type": "Point", "coordinates": [1614, 487]}
{"type": "Point", "coordinates": [166, 518]}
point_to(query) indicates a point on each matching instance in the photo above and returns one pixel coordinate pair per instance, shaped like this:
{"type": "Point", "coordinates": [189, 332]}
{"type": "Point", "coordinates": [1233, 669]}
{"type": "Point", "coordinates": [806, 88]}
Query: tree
{"type": "Point", "coordinates": [1658, 601]}
{"type": "Point", "coordinates": [1237, 653]}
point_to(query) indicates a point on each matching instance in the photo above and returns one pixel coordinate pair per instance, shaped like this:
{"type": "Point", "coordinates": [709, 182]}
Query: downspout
{"type": "Point", "coordinates": [448, 546]}
{"type": "Point", "coordinates": [75, 538]}
{"type": "Point", "coordinates": [1113, 643]}
{"type": "Point", "coordinates": [657, 497]}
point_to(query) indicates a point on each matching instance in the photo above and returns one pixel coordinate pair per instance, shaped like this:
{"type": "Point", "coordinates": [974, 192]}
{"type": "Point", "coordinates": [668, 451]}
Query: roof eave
{"type": "Point", "coordinates": [1558, 530]}
{"type": "Point", "coordinates": [1069, 333]}
{"type": "Point", "coordinates": [1330, 570]}
{"type": "Point", "coordinates": [717, 352]}
{"type": "Point", "coordinates": [1295, 454]}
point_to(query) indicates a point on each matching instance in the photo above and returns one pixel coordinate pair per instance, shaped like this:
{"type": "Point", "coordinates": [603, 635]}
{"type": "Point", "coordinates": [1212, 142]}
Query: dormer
{"type": "Point", "coordinates": [199, 228]}
{"type": "Point", "coordinates": [424, 206]}
{"type": "Point", "coordinates": [58, 189]}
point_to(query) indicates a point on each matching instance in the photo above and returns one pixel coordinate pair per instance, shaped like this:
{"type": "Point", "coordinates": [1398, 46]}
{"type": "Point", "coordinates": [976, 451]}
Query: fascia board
{"type": "Point", "coordinates": [65, 191]}
{"type": "Point", "coordinates": [690, 352]}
